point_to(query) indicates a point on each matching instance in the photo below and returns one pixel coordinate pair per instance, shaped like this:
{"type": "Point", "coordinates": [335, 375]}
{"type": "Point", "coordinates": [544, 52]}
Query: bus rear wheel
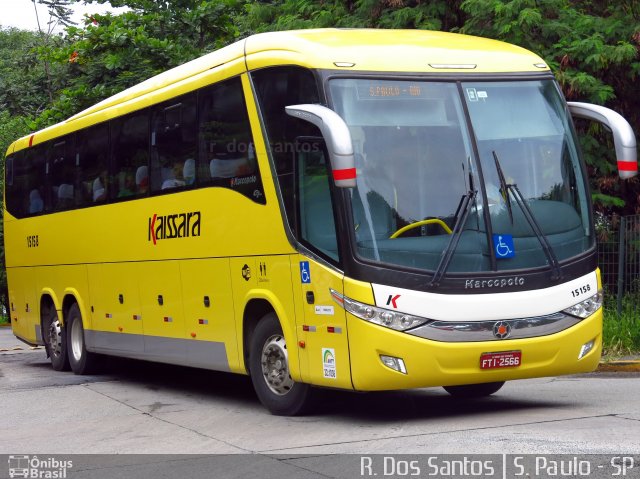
{"type": "Point", "coordinates": [269, 369]}
{"type": "Point", "coordinates": [55, 341]}
{"type": "Point", "coordinates": [80, 360]}
{"type": "Point", "coordinates": [469, 391]}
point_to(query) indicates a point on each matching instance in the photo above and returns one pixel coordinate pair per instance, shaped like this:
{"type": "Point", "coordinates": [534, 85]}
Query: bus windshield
{"type": "Point", "coordinates": [418, 157]}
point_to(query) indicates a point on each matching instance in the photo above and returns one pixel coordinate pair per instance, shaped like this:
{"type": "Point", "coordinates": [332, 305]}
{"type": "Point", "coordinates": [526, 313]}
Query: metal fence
{"type": "Point", "coordinates": [619, 259]}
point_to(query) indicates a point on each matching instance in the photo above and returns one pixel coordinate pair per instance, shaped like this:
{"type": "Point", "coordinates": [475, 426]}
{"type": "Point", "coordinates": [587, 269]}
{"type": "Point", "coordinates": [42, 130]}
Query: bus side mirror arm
{"type": "Point", "coordinates": [623, 137]}
{"type": "Point", "coordinates": [337, 138]}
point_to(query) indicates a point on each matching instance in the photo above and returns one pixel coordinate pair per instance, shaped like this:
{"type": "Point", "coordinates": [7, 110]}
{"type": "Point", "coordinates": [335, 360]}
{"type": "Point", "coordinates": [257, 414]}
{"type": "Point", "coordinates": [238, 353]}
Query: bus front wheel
{"type": "Point", "coordinates": [474, 390]}
{"type": "Point", "coordinates": [80, 360]}
{"type": "Point", "coordinates": [55, 341]}
{"type": "Point", "coordinates": [269, 369]}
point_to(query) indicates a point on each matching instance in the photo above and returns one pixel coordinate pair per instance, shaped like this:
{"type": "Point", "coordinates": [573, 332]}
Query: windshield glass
{"type": "Point", "coordinates": [416, 162]}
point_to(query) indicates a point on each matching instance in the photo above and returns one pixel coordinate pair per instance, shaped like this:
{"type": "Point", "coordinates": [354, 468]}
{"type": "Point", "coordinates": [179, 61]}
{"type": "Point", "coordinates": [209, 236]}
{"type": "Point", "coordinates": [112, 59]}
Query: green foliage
{"type": "Point", "coordinates": [621, 332]}
{"type": "Point", "coordinates": [112, 52]}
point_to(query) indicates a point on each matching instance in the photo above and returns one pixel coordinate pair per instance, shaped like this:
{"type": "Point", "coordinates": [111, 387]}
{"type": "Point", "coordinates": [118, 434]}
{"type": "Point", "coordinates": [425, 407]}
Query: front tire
{"type": "Point", "coordinates": [470, 391]}
{"type": "Point", "coordinates": [55, 341]}
{"type": "Point", "coordinates": [269, 369]}
{"type": "Point", "coordinates": [80, 360]}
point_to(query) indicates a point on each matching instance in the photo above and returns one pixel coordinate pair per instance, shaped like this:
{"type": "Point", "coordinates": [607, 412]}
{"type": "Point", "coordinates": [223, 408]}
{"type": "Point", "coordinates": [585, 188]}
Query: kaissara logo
{"type": "Point", "coordinates": [179, 225]}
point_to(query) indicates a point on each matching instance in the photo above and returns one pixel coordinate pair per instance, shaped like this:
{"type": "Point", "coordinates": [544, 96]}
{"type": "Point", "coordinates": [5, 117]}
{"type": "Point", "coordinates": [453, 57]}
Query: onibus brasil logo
{"type": "Point", "coordinates": [35, 467]}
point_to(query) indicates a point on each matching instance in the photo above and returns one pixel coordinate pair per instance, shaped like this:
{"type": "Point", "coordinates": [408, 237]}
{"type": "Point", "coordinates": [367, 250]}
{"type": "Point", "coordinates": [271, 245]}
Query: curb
{"type": "Point", "coordinates": [625, 366]}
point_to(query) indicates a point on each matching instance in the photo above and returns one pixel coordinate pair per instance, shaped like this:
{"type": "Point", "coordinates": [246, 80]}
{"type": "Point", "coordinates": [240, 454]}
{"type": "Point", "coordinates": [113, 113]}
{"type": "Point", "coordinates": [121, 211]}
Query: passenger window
{"type": "Point", "coordinates": [91, 158]}
{"type": "Point", "coordinates": [227, 154]}
{"type": "Point", "coordinates": [63, 174]}
{"type": "Point", "coordinates": [17, 187]}
{"type": "Point", "coordinates": [37, 199]}
{"type": "Point", "coordinates": [129, 156]}
{"type": "Point", "coordinates": [173, 144]}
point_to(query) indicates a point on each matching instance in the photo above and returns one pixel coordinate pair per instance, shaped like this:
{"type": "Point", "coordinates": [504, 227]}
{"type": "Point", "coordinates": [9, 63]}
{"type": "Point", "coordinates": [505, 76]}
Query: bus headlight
{"type": "Point", "coordinates": [373, 314]}
{"type": "Point", "coordinates": [586, 307]}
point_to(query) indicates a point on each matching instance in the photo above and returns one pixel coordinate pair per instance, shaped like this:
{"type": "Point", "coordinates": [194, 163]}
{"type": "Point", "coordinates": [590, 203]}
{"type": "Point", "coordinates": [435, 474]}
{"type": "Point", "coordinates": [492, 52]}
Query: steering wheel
{"type": "Point", "coordinates": [416, 224]}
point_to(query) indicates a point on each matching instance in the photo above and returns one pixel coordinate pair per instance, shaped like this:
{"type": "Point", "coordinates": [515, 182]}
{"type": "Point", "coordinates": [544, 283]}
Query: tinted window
{"type": "Point", "coordinates": [227, 155]}
{"type": "Point", "coordinates": [28, 193]}
{"type": "Point", "coordinates": [92, 147]}
{"type": "Point", "coordinates": [173, 144]}
{"type": "Point", "coordinates": [63, 174]}
{"type": "Point", "coordinates": [130, 157]}
{"type": "Point", "coordinates": [276, 88]}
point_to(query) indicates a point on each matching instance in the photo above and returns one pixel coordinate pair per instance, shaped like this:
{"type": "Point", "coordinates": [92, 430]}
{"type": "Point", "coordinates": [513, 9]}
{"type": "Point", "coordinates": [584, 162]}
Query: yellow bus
{"type": "Point", "coordinates": [355, 209]}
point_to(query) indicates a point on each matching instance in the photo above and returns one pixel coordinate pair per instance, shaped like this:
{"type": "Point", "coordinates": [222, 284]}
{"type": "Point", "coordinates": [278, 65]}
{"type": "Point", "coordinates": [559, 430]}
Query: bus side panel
{"type": "Point", "coordinates": [162, 311]}
{"type": "Point", "coordinates": [267, 278]}
{"type": "Point", "coordinates": [24, 307]}
{"type": "Point", "coordinates": [322, 326]}
{"type": "Point", "coordinates": [209, 318]}
{"type": "Point", "coordinates": [117, 316]}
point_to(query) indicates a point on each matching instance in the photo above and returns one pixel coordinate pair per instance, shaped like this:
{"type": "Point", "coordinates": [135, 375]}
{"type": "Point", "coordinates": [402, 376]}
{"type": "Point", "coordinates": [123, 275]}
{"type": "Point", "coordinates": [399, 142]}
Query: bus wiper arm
{"type": "Point", "coordinates": [445, 260]}
{"type": "Point", "coordinates": [556, 271]}
{"type": "Point", "coordinates": [504, 187]}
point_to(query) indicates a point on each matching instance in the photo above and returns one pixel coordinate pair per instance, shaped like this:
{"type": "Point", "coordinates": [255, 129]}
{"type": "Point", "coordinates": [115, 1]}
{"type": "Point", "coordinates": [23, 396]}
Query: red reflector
{"type": "Point", "coordinates": [305, 327]}
{"type": "Point", "coordinates": [31, 140]}
{"type": "Point", "coordinates": [627, 166]}
{"type": "Point", "coordinates": [331, 329]}
{"type": "Point", "coordinates": [346, 174]}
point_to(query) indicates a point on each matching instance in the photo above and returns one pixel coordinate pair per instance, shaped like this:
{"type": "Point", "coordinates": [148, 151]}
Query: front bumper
{"type": "Point", "coordinates": [435, 363]}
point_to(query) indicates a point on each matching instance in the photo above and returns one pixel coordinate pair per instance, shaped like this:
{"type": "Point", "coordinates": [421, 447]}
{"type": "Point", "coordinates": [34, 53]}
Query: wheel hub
{"type": "Point", "coordinates": [275, 365]}
{"type": "Point", "coordinates": [55, 338]}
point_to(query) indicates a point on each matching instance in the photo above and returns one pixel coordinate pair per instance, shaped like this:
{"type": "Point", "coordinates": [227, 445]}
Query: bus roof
{"type": "Point", "coordinates": [362, 50]}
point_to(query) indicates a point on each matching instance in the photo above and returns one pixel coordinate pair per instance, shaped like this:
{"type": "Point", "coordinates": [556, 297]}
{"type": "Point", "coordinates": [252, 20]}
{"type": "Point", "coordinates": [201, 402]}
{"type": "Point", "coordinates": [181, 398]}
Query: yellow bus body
{"type": "Point", "coordinates": [101, 257]}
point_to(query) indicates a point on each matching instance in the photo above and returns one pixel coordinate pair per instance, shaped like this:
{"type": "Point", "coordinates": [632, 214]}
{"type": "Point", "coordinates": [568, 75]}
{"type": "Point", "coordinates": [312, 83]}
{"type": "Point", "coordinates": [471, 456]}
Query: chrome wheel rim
{"type": "Point", "coordinates": [275, 365]}
{"type": "Point", "coordinates": [55, 338]}
{"type": "Point", "coordinates": [77, 339]}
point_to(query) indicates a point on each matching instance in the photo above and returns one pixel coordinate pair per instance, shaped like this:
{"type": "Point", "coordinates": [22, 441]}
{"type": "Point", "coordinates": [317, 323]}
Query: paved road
{"type": "Point", "coordinates": [138, 407]}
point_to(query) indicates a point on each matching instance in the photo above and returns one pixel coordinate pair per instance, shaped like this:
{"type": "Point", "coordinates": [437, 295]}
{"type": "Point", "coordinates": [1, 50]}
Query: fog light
{"type": "Point", "coordinates": [586, 347]}
{"type": "Point", "coordinates": [396, 364]}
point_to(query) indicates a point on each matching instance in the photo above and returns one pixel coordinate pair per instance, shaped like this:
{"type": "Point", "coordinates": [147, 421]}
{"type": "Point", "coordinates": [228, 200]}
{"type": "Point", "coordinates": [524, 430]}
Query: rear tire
{"type": "Point", "coordinates": [80, 360]}
{"type": "Point", "coordinates": [469, 391]}
{"type": "Point", "coordinates": [55, 341]}
{"type": "Point", "coordinates": [269, 369]}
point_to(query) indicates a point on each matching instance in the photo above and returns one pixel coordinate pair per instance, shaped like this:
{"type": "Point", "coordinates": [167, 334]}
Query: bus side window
{"type": "Point", "coordinates": [277, 88]}
{"type": "Point", "coordinates": [62, 173]}
{"type": "Point", "coordinates": [129, 152]}
{"type": "Point", "coordinates": [317, 224]}
{"type": "Point", "coordinates": [16, 184]}
{"type": "Point", "coordinates": [35, 196]}
{"type": "Point", "coordinates": [90, 158]}
{"type": "Point", "coordinates": [173, 144]}
{"type": "Point", "coordinates": [227, 155]}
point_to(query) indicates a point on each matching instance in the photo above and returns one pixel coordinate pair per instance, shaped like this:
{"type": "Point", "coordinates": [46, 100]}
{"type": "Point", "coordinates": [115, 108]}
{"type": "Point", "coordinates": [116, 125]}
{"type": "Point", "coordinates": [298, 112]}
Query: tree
{"type": "Point", "coordinates": [109, 53]}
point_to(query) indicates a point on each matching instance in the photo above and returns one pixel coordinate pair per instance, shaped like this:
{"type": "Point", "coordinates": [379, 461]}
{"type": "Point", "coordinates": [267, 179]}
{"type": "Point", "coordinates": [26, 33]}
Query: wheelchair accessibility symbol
{"type": "Point", "coordinates": [503, 245]}
{"type": "Point", "coordinates": [305, 275]}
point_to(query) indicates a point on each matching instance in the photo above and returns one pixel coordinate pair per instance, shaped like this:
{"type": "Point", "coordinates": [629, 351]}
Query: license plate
{"type": "Point", "coordinates": [504, 359]}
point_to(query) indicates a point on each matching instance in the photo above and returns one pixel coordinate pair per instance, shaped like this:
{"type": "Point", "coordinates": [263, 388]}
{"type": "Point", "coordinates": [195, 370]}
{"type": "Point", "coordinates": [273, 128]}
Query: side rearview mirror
{"type": "Point", "coordinates": [623, 137]}
{"type": "Point", "coordinates": [337, 138]}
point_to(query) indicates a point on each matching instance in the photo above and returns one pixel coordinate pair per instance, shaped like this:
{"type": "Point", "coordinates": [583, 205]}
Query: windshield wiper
{"type": "Point", "coordinates": [504, 187]}
{"type": "Point", "coordinates": [464, 208]}
{"type": "Point", "coordinates": [556, 271]}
